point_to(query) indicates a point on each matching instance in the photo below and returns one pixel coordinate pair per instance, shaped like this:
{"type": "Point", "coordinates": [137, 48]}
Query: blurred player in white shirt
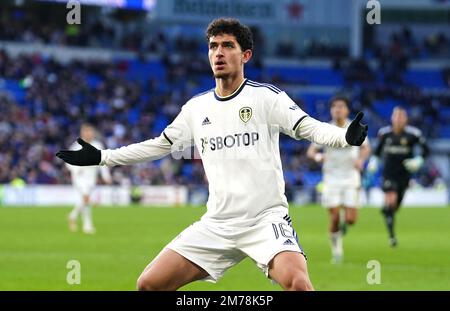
{"type": "Point", "coordinates": [236, 129]}
{"type": "Point", "coordinates": [342, 169]}
{"type": "Point", "coordinates": [84, 180]}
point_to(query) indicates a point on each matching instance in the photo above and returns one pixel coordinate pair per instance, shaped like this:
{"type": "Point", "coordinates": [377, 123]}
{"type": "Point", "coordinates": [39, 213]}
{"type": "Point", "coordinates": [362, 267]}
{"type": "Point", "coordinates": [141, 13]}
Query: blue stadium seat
{"type": "Point", "coordinates": [15, 88]}
{"type": "Point", "coordinates": [289, 177]}
{"type": "Point", "coordinates": [133, 115]}
{"type": "Point", "coordinates": [187, 170]}
{"type": "Point", "coordinates": [93, 80]}
{"type": "Point", "coordinates": [425, 78]}
{"type": "Point", "coordinates": [160, 123]}
{"type": "Point", "coordinates": [384, 107]}
{"type": "Point", "coordinates": [302, 75]}
{"type": "Point", "coordinates": [444, 113]}
{"type": "Point", "coordinates": [444, 131]}
{"type": "Point", "coordinates": [311, 179]}
{"type": "Point", "coordinates": [138, 70]}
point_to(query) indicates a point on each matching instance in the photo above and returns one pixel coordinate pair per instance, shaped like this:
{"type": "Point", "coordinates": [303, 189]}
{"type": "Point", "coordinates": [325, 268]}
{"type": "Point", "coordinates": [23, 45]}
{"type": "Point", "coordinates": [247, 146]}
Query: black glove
{"type": "Point", "coordinates": [88, 155]}
{"type": "Point", "coordinates": [356, 132]}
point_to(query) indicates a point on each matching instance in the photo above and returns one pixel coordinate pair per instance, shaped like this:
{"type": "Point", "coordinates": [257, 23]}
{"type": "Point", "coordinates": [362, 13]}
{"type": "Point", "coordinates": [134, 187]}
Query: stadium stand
{"type": "Point", "coordinates": [134, 99]}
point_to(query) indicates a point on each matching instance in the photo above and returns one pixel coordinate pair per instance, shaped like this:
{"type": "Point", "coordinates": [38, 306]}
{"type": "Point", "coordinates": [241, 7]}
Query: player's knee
{"type": "Point", "coordinates": [299, 282]}
{"type": "Point", "coordinates": [142, 285]}
{"type": "Point", "coordinates": [147, 284]}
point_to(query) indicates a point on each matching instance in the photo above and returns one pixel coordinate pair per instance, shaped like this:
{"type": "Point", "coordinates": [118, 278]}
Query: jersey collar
{"type": "Point", "coordinates": [233, 95]}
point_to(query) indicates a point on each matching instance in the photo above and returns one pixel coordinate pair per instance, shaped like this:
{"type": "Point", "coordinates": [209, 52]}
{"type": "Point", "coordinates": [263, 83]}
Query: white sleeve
{"type": "Point", "coordinates": [322, 133]}
{"type": "Point", "coordinates": [286, 114]}
{"type": "Point", "coordinates": [176, 134]}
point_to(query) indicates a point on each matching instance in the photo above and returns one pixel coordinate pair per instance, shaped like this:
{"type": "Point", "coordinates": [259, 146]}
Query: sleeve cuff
{"type": "Point", "coordinates": [103, 157]}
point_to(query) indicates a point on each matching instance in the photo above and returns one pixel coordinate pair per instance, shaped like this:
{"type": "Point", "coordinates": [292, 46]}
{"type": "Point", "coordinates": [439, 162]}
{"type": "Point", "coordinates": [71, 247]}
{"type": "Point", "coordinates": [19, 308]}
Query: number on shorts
{"type": "Point", "coordinates": [285, 230]}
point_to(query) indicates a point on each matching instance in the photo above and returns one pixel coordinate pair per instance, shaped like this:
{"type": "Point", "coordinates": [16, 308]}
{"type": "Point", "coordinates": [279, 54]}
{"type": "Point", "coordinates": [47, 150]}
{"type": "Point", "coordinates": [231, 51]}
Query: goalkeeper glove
{"type": "Point", "coordinates": [414, 164]}
{"type": "Point", "coordinates": [372, 166]}
{"type": "Point", "coordinates": [88, 155]}
{"type": "Point", "coordinates": [356, 132]}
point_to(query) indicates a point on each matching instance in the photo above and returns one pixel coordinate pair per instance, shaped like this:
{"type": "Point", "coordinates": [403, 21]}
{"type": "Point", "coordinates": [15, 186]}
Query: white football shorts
{"type": "Point", "coordinates": [338, 195]}
{"type": "Point", "coordinates": [218, 249]}
{"type": "Point", "coordinates": [84, 188]}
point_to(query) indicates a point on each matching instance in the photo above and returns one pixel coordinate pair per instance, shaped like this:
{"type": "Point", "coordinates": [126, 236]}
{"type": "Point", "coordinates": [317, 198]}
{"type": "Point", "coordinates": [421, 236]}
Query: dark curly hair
{"type": "Point", "coordinates": [233, 27]}
{"type": "Point", "coordinates": [339, 97]}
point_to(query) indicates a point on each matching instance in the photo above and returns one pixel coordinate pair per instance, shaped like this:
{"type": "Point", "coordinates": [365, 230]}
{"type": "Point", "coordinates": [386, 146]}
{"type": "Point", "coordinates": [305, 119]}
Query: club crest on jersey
{"type": "Point", "coordinates": [403, 141]}
{"type": "Point", "coordinates": [245, 113]}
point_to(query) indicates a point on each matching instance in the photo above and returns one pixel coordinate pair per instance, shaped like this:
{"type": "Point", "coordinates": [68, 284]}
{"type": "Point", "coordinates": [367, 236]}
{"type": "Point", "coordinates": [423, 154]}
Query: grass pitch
{"type": "Point", "coordinates": [36, 245]}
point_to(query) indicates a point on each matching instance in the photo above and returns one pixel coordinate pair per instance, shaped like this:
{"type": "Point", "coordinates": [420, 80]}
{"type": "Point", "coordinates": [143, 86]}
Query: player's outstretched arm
{"type": "Point", "coordinates": [149, 150]}
{"type": "Point", "coordinates": [86, 156]}
{"type": "Point", "coordinates": [326, 134]}
{"type": "Point", "coordinates": [177, 133]}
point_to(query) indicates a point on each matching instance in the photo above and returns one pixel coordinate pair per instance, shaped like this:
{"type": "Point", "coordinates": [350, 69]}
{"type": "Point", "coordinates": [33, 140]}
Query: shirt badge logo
{"type": "Point", "coordinates": [245, 113]}
{"type": "Point", "coordinates": [404, 141]}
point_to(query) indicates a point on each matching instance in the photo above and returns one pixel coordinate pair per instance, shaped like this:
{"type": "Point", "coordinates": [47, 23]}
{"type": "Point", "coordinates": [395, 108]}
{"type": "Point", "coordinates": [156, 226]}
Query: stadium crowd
{"type": "Point", "coordinates": [22, 25]}
{"type": "Point", "coordinates": [53, 99]}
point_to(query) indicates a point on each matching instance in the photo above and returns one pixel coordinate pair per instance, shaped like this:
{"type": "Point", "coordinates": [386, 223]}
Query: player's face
{"type": "Point", "coordinates": [87, 133]}
{"type": "Point", "coordinates": [399, 118]}
{"type": "Point", "coordinates": [339, 110]}
{"type": "Point", "coordinates": [226, 56]}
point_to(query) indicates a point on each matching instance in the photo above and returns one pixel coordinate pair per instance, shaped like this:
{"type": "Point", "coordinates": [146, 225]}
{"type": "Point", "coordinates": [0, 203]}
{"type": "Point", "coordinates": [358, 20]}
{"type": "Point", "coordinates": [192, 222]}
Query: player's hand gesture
{"type": "Point", "coordinates": [356, 132]}
{"type": "Point", "coordinates": [88, 155]}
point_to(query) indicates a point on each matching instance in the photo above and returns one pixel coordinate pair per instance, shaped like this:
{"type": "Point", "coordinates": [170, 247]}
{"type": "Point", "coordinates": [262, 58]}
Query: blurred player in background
{"type": "Point", "coordinates": [236, 129]}
{"type": "Point", "coordinates": [397, 145]}
{"type": "Point", "coordinates": [342, 169]}
{"type": "Point", "coordinates": [84, 180]}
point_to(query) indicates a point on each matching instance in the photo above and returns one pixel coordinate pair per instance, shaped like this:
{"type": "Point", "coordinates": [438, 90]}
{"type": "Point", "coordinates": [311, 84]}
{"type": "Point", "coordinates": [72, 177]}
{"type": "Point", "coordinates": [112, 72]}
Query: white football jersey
{"type": "Point", "coordinates": [237, 137]}
{"type": "Point", "coordinates": [86, 176]}
{"type": "Point", "coordinates": [339, 165]}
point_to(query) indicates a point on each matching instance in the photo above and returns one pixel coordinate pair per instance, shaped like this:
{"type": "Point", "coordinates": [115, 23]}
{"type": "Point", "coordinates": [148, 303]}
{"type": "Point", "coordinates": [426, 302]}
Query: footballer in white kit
{"type": "Point", "coordinates": [236, 129]}
{"type": "Point", "coordinates": [341, 170]}
{"type": "Point", "coordinates": [84, 180]}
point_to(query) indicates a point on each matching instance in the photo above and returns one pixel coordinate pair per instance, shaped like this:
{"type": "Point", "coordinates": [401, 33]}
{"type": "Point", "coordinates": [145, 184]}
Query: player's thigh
{"type": "Point", "coordinates": [390, 188]}
{"type": "Point", "coordinates": [169, 271]}
{"type": "Point", "coordinates": [334, 214]}
{"type": "Point", "coordinates": [351, 203]}
{"type": "Point", "coordinates": [267, 239]}
{"type": "Point", "coordinates": [391, 197]}
{"type": "Point", "coordinates": [208, 248]}
{"type": "Point", "coordinates": [289, 269]}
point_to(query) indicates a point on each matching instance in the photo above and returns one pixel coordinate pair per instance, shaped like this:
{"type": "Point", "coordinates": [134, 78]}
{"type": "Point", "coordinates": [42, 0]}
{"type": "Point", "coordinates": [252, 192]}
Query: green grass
{"type": "Point", "coordinates": [35, 246]}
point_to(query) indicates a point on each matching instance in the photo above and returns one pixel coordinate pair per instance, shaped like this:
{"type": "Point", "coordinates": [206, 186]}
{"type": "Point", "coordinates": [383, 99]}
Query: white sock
{"type": "Point", "coordinates": [337, 249]}
{"type": "Point", "coordinates": [87, 218]}
{"type": "Point", "coordinates": [76, 211]}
